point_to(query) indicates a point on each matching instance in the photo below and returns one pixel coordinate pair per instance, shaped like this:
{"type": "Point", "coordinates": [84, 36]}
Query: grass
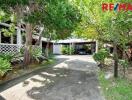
{"type": "Point", "coordinates": [116, 89]}
{"type": "Point", "coordinates": [51, 60]}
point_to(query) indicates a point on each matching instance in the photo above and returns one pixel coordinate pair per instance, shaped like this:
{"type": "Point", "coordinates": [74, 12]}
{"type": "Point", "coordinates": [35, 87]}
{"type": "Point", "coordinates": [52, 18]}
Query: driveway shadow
{"type": "Point", "coordinates": [80, 65]}
{"type": "Point", "coordinates": [67, 85]}
{"type": "Point", "coordinates": [61, 83]}
{"type": "Point", "coordinates": [22, 78]}
{"type": "Point", "coordinates": [1, 98]}
{"type": "Point", "coordinates": [70, 83]}
{"type": "Point", "coordinates": [50, 78]}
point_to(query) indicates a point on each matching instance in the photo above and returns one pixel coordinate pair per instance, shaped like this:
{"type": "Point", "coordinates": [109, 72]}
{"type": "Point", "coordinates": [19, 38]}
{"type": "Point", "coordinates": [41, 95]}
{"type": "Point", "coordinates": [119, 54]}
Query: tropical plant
{"type": "Point", "coordinates": [5, 66]}
{"type": "Point", "coordinates": [68, 50]}
{"type": "Point", "coordinates": [7, 56]}
{"type": "Point", "coordinates": [36, 53]}
{"type": "Point", "coordinates": [9, 32]}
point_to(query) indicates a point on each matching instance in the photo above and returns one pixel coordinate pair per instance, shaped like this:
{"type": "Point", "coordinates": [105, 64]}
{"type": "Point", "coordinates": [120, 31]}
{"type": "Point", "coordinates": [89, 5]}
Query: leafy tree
{"type": "Point", "coordinates": [57, 15]}
{"type": "Point", "coordinates": [112, 27]}
{"type": "Point", "coordinates": [60, 19]}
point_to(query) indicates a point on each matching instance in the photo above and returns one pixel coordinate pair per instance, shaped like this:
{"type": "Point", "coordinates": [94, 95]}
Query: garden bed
{"type": "Point", "coordinates": [18, 72]}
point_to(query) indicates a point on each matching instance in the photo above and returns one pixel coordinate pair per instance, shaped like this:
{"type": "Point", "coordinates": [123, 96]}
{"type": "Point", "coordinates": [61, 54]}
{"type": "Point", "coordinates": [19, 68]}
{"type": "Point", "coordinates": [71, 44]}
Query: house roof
{"type": "Point", "coordinates": [8, 25]}
{"type": "Point", "coordinates": [74, 41]}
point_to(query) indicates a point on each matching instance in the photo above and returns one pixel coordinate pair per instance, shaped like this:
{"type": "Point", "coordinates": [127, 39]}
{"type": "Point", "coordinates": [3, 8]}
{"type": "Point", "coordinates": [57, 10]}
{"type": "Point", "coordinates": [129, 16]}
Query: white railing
{"type": "Point", "coordinates": [13, 48]}
{"type": "Point", "coordinates": [9, 48]}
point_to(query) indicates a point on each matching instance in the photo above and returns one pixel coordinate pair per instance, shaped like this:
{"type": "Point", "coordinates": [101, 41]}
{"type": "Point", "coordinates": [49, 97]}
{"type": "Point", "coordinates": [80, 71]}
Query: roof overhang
{"type": "Point", "coordinates": [73, 41]}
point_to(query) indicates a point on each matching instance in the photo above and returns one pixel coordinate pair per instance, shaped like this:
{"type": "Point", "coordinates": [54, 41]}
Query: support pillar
{"type": "Point", "coordinates": [70, 48]}
{"type": "Point", "coordinates": [19, 37]}
{"type": "Point", "coordinates": [0, 36]}
{"type": "Point", "coordinates": [11, 39]}
{"type": "Point", "coordinates": [97, 46]}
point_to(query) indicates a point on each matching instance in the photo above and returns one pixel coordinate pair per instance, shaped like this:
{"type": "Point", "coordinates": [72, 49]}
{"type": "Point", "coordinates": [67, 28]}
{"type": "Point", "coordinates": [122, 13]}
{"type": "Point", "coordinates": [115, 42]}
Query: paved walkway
{"type": "Point", "coordinates": [72, 79]}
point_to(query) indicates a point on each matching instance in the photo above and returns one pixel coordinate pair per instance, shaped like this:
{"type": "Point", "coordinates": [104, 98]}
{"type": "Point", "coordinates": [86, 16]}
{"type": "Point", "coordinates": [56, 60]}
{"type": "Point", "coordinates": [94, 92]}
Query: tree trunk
{"type": "Point", "coordinates": [124, 58]}
{"type": "Point", "coordinates": [115, 61]}
{"type": "Point", "coordinates": [47, 50]}
{"type": "Point", "coordinates": [130, 53]}
{"type": "Point", "coordinates": [40, 36]}
{"type": "Point", "coordinates": [28, 45]}
{"type": "Point", "coordinates": [47, 46]}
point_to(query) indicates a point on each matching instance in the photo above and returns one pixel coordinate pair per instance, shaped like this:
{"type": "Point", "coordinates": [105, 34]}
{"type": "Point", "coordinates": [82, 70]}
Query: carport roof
{"type": "Point", "coordinates": [65, 41]}
{"type": "Point", "coordinates": [74, 41]}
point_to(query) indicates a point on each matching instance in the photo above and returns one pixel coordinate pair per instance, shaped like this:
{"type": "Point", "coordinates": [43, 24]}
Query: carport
{"type": "Point", "coordinates": [80, 46]}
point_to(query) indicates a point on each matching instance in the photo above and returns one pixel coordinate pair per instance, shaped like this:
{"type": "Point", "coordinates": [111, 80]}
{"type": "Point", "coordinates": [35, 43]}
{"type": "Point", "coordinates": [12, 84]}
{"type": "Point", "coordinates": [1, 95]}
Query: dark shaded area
{"type": "Point", "coordinates": [62, 83]}
{"type": "Point", "coordinates": [22, 78]}
{"type": "Point", "coordinates": [66, 85]}
{"type": "Point", "coordinates": [1, 98]}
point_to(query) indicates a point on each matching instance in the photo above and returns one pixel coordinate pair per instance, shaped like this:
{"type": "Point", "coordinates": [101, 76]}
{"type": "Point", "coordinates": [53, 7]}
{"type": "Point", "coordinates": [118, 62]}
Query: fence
{"type": "Point", "coordinates": [9, 48]}
{"type": "Point", "coordinates": [14, 48]}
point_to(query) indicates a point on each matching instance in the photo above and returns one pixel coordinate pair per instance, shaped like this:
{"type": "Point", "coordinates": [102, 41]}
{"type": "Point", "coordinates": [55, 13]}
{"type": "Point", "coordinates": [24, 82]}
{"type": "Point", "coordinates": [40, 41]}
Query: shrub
{"type": "Point", "coordinates": [7, 56]}
{"type": "Point", "coordinates": [36, 53]}
{"type": "Point", "coordinates": [22, 51]}
{"type": "Point", "coordinates": [71, 50]}
{"type": "Point", "coordinates": [4, 66]}
{"type": "Point", "coordinates": [124, 64]}
{"type": "Point", "coordinates": [68, 50]}
{"type": "Point", "coordinates": [64, 50]}
{"type": "Point", "coordinates": [101, 55]}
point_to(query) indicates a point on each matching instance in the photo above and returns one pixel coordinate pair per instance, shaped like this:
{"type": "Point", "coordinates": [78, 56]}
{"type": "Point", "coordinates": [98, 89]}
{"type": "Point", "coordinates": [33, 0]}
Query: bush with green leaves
{"type": "Point", "coordinates": [124, 64]}
{"type": "Point", "coordinates": [36, 53]}
{"type": "Point", "coordinates": [7, 56]}
{"type": "Point", "coordinates": [5, 66]}
{"type": "Point", "coordinates": [71, 50]}
{"type": "Point", "coordinates": [101, 56]}
{"type": "Point", "coordinates": [64, 50]}
{"type": "Point", "coordinates": [68, 50]}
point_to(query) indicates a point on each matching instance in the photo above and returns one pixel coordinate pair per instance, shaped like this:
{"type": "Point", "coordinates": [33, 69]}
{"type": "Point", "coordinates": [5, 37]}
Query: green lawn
{"type": "Point", "coordinates": [116, 89]}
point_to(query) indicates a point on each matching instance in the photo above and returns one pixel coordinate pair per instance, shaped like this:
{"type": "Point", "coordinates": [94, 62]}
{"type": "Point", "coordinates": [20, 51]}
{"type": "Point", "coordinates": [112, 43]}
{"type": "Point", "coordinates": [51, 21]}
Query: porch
{"type": "Point", "coordinates": [13, 43]}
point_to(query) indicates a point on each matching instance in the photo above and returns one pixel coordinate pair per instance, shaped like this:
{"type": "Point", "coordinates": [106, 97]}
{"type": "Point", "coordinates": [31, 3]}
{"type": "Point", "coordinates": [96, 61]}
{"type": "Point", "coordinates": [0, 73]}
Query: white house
{"type": "Point", "coordinates": [14, 43]}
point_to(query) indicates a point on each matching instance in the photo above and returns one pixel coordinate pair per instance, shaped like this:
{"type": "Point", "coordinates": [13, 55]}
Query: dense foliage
{"type": "Point", "coordinates": [68, 50]}
{"type": "Point", "coordinates": [101, 56]}
{"type": "Point", "coordinates": [7, 56]}
{"type": "Point", "coordinates": [56, 17]}
{"type": "Point", "coordinates": [4, 66]}
{"type": "Point", "coordinates": [112, 27]}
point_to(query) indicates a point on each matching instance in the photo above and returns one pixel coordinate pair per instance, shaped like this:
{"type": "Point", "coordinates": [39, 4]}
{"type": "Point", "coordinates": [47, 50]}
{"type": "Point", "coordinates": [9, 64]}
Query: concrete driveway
{"type": "Point", "coordinates": [72, 78]}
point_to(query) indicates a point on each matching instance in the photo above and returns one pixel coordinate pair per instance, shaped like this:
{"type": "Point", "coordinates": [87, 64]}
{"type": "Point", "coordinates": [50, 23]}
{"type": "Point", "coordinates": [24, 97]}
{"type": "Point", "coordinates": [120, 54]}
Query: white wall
{"type": "Point", "coordinates": [57, 49]}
